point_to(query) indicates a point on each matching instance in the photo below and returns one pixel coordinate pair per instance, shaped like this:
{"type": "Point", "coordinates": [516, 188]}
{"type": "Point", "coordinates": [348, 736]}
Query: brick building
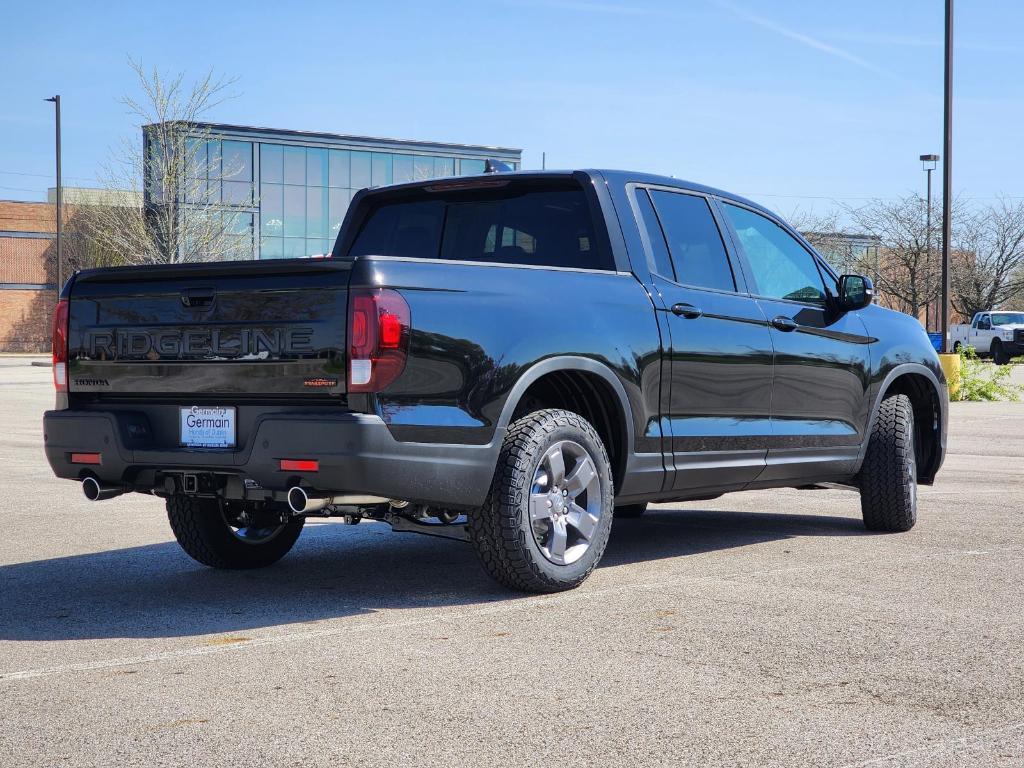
{"type": "Point", "coordinates": [27, 275]}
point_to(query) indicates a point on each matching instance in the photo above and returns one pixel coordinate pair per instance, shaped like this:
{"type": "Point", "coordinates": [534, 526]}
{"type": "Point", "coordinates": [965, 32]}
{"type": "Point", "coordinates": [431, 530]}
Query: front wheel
{"type": "Point", "coordinates": [999, 354]}
{"type": "Point", "coordinates": [546, 520]}
{"type": "Point", "coordinates": [888, 477]}
{"type": "Point", "coordinates": [231, 535]}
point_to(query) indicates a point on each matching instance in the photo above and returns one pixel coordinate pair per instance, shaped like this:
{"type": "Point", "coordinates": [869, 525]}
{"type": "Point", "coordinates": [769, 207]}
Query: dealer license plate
{"type": "Point", "coordinates": [208, 426]}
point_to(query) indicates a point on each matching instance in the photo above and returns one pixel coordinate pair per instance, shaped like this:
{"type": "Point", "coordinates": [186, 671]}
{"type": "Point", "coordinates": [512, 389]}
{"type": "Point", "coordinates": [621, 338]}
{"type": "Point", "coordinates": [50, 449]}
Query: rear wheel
{"type": "Point", "coordinates": [231, 535]}
{"type": "Point", "coordinates": [888, 477]}
{"type": "Point", "coordinates": [546, 520]}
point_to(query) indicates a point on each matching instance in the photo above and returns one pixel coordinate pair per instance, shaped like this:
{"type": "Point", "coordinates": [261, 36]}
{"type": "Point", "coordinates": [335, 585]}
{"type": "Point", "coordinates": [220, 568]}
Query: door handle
{"type": "Point", "coordinates": [784, 323]}
{"type": "Point", "coordinates": [688, 311]}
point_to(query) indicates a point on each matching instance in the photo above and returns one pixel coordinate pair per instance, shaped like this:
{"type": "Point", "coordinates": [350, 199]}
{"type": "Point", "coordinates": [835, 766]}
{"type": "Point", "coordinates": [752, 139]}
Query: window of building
{"type": "Point", "coordinates": [694, 242]}
{"type": "Point", "coordinates": [782, 268]}
{"type": "Point", "coordinates": [304, 192]}
{"type": "Point", "coordinates": [422, 167]}
{"type": "Point", "coordinates": [444, 166]}
{"type": "Point", "coordinates": [380, 168]}
{"type": "Point", "coordinates": [218, 171]}
{"type": "Point", "coordinates": [238, 229]}
{"type": "Point", "coordinates": [361, 171]}
{"type": "Point", "coordinates": [271, 163]}
{"type": "Point", "coordinates": [471, 167]}
{"type": "Point", "coordinates": [403, 168]}
{"type": "Point", "coordinates": [316, 166]}
{"type": "Point", "coordinates": [294, 165]}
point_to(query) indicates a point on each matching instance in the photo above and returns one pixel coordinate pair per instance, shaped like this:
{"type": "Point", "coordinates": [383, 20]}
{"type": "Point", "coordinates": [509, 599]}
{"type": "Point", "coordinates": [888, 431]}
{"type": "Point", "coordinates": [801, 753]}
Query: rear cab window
{"type": "Point", "coordinates": [543, 223]}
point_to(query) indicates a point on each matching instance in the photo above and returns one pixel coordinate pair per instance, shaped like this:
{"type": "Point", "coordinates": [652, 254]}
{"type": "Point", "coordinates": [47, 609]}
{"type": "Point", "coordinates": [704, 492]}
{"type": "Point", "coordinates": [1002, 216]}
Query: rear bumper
{"type": "Point", "coordinates": [357, 454]}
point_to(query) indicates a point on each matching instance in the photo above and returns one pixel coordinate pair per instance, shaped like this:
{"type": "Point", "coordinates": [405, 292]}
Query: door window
{"type": "Point", "coordinates": [660, 264]}
{"type": "Point", "coordinates": [698, 253]}
{"type": "Point", "coordinates": [781, 267]}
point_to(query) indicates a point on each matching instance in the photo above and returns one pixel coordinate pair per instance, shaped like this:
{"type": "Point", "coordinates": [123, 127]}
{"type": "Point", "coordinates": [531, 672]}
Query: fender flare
{"type": "Point", "coordinates": [940, 396]}
{"type": "Point", "coordinates": [569, 363]}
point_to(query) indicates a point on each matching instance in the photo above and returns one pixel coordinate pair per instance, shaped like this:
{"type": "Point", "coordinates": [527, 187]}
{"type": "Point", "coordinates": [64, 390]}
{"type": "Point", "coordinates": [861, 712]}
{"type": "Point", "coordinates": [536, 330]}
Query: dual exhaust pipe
{"type": "Point", "coordinates": [300, 501]}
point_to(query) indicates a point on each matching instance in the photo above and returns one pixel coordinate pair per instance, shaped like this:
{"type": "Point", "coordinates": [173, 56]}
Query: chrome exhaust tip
{"type": "Point", "coordinates": [300, 502]}
{"type": "Point", "coordinates": [94, 490]}
{"type": "Point", "coordinates": [303, 502]}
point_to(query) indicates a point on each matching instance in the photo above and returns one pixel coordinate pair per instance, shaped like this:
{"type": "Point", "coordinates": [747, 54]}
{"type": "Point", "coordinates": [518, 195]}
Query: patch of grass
{"type": "Point", "coordinates": [980, 380]}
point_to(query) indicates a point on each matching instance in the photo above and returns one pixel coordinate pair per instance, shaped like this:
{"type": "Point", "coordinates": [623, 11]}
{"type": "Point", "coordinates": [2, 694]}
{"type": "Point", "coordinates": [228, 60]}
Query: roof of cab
{"type": "Point", "coordinates": [612, 176]}
{"type": "Point", "coordinates": [627, 177]}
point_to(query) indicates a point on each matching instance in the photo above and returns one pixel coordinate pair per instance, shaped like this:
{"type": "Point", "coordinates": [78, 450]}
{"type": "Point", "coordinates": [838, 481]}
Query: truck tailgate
{"type": "Point", "coordinates": [241, 328]}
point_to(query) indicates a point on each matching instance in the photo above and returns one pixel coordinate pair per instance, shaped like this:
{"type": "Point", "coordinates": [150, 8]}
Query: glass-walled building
{"type": "Point", "coordinates": [285, 193]}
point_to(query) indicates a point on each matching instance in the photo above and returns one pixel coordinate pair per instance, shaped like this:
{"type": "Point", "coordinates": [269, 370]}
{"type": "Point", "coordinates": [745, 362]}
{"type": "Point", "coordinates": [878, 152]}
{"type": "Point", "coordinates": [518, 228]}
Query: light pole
{"type": "Point", "coordinates": [928, 163]}
{"type": "Point", "coordinates": [947, 174]}
{"type": "Point", "coordinates": [60, 206]}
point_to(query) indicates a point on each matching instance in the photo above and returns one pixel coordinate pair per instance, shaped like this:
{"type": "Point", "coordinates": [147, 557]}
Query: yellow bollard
{"type": "Point", "coordinates": [950, 363]}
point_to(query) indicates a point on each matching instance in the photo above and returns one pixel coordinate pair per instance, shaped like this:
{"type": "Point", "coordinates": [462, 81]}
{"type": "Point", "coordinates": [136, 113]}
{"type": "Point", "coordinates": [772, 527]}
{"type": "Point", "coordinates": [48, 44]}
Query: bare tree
{"type": "Point", "coordinates": [906, 272]}
{"type": "Point", "coordinates": [176, 170]}
{"type": "Point", "coordinates": [989, 269]}
{"type": "Point", "coordinates": [846, 249]}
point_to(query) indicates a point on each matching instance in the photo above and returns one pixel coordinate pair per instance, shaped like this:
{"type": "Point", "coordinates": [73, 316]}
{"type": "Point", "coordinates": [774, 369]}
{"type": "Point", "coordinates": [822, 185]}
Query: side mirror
{"type": "Point", "coordinates": [855, 291]}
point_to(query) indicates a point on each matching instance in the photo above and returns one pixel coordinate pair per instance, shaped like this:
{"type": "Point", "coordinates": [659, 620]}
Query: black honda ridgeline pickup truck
{"type": "Point", "coordinates": [509, 359]}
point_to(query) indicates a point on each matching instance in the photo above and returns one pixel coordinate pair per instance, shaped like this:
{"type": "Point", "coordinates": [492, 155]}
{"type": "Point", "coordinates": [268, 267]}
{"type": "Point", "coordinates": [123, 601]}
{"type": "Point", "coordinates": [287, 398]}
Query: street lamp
{"type": "Point", "coordinates": [60, 207]}
{"type": "Point", "coordinates": [947, 171]}
{"type": "Point", "coordinates": [928, 163]}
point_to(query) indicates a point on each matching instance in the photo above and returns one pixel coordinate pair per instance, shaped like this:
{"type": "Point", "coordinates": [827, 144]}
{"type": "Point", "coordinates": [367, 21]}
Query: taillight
{"type": "Point", "coordinates": [300, 465]}
{"type": "Point", "coordinates": [378, 338]}
{"type": "Point", "coordinates": [59, 345]}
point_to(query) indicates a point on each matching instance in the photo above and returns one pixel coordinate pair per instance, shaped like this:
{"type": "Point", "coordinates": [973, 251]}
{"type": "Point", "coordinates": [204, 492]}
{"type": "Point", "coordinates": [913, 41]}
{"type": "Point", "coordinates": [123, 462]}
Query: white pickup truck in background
{"type": "Point", "coordinates": [999, 335]}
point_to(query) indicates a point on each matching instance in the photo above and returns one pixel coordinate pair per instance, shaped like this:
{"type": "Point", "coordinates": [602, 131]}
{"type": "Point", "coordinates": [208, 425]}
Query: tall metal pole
{"type": "Point", "coordinates": [60, 203]}
{"type": "Point", "coordinates": [947, 175]}
{"type": "Point", "coordinates": [928, 242]}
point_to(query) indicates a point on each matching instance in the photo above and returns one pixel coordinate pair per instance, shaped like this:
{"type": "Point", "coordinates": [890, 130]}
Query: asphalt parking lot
{"type": "Point", "coordinates": [760, 629]}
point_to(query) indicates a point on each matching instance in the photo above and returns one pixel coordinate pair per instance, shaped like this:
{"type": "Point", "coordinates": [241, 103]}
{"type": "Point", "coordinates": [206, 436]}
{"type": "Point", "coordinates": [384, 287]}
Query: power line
{"type": "Point", "coordinates": [24, 189]}
{"type": "Point", "coordinates": [833, 198]}
{"type": "Point", "coordinates": [42, 175]}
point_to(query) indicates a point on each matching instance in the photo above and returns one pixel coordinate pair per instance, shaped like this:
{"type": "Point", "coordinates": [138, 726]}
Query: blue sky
{"type": "Point", "coordinates": [792, 103]}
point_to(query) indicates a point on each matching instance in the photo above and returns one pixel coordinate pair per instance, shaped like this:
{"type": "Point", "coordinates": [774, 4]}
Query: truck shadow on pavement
{"type": "Point", "coordinates": [335, 571]}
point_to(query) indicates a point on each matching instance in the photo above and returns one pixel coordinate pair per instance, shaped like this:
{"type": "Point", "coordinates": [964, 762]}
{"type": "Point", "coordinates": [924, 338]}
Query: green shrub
{"type": "Point", "coordinates": [980, 380]}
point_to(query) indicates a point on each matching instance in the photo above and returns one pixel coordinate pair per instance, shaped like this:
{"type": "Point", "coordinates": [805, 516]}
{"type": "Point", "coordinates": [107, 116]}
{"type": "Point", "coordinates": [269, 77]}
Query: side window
{"type": "Point", "coordinates": [782, 268]}
{"type": "Point", "coordinates": [694, 241]}
{"type": "Point", "coordinates": [661, 265]}
{"type": "Point", "coordinates": [985, 324]}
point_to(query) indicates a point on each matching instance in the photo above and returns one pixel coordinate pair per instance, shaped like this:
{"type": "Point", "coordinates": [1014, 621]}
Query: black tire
{"type": "Point", "coordinates": [999, 354]}
{"type": "Point", "coordinates": [502, 531]}
{"type": "Point", "coordinates": [203, 532]}
{"type": "Point", "coordinates": [631, 511]}
{"type": "Point", "coordinates": [957, 346]}
{"type": "Point", "coordinates": [888, 478]}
